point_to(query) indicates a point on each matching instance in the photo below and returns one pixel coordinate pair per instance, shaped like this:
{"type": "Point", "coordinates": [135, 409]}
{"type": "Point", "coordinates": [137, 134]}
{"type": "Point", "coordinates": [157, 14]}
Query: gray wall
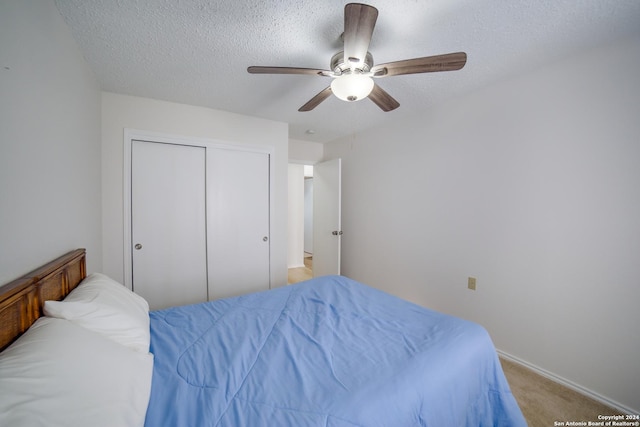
{"type": "Point", "coordinates": [120, 112]}
{"type": "Point", "coordinates": [49, 142]}
{"type": "Point", "coordinates": [532, 186]}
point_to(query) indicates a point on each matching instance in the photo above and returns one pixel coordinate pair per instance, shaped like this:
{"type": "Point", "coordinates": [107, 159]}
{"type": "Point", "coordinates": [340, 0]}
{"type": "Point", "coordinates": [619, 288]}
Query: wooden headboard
{"type": "Point", "coordinates": [21, 301]}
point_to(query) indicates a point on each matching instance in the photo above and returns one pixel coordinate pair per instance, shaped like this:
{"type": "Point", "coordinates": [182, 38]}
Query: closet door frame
{"type": "Point", "coordinates": [133, 134]}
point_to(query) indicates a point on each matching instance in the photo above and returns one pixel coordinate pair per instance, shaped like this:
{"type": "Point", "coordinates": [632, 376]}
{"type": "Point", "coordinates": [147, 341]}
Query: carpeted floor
{"type": "Point", "coordinates": [546, 403]}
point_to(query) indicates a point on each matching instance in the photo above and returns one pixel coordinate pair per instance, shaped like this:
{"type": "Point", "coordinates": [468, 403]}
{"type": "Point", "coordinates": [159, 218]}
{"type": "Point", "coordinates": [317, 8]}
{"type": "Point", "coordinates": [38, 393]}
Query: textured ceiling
{"type": "Point", "coordinates": [197, 51]}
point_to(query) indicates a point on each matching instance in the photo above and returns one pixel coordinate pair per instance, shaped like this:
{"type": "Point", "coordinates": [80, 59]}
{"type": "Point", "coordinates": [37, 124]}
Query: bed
{"type": "Point", "coordinates": [326, 352]}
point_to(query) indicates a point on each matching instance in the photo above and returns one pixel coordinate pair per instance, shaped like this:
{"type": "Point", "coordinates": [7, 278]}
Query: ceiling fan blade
{"type": "Point", "coordinates": [316, 100]}
{"type": "Point", "coordinates": [382, 99]}
{"type": "Point", "coordinates": [287, 70]}
{"type": "Point", "coordinates": [428, 64]}
{"type": "Point", "coordinates": [359, 21]}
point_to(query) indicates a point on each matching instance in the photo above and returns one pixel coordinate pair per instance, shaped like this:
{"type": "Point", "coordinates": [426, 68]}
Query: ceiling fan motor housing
{"type": "Point", "coordinates": [352, 68]}
{"type": "Point", "coordinates": [339, 66]}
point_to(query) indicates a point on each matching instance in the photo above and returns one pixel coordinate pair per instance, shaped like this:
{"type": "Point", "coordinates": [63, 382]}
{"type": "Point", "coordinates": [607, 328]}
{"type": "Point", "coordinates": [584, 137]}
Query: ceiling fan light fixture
{"type": "Point", "coordinates": [352, 68]}
{"type": "Point", "coordinates": [352, 87]}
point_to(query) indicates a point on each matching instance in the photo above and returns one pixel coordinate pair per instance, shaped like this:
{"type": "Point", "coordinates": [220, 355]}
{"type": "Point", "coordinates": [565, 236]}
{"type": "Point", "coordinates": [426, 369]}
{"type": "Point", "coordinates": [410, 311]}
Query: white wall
{"type": "Point", "coordinates": [308, 215]}
{"type": "Point", "coordinates": [532, 186]}
{"type": "Point", "coordinates": [49, 142]}
{"type": "Point", "coordinates": [300, 153]}
{"type": "Point", "coordinates": [305, 152]}
{"type": "Point", "coordinates": [295, 235]}
{"type": "Point", "coordinates": [120, 112]}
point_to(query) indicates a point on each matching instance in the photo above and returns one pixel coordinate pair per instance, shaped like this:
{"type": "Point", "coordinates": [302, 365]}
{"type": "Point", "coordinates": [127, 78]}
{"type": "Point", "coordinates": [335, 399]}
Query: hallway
{"type": "Point", "coordinates": [300, 274]}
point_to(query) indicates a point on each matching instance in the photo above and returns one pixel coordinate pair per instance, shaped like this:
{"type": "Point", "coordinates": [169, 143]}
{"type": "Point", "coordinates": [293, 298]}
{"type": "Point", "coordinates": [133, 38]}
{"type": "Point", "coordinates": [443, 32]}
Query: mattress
{"type": "Point", "coordinates": [326, 352]}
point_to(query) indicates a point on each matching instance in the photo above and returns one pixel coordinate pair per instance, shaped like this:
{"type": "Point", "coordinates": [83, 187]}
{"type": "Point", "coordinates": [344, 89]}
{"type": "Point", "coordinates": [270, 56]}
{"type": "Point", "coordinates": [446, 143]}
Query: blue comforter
{"type": "Point", "coordinates": [327, 352]}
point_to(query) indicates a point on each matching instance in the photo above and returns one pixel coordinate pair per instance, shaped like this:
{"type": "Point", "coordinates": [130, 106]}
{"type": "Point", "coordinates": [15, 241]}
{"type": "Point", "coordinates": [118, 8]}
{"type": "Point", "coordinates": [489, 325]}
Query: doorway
{"type": "Point", "coordinates": [300, 266]}
{"type": "Point", "coordinates": [322, 239]}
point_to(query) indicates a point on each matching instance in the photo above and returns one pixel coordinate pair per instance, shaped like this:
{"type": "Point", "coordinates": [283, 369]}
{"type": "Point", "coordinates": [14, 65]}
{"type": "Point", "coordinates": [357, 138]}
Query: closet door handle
{"type": "Point", "coordinates": [138, 246]}
{"type": "Point", "coordinates": [265, 238]}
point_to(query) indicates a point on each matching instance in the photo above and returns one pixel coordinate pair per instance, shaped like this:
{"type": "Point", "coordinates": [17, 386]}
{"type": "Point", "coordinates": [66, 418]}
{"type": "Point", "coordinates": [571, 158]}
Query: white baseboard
{"type": "Point", "coordinates": [296, 266]}
{"type": "Point", "coordinates": [569, 384]}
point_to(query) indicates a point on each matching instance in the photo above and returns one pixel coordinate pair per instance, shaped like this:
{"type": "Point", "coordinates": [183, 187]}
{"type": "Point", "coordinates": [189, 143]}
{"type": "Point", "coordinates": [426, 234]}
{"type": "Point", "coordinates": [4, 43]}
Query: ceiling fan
{"type": "Point", "coordinates": [353, 70]}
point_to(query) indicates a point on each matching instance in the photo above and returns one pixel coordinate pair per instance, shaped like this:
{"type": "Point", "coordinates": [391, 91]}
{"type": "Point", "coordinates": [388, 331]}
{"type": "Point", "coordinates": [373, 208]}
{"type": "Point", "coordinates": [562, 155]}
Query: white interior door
{"type": "Point", "coordinates": [238, 222]}
{"type": "Point", "coordinates": [327, 228]}
{"type": "Point", "coordinates": [168, 223]}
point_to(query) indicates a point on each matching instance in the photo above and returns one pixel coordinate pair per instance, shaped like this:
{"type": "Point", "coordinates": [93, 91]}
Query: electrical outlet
{"type": "Point", "coordinates": [471, 284]}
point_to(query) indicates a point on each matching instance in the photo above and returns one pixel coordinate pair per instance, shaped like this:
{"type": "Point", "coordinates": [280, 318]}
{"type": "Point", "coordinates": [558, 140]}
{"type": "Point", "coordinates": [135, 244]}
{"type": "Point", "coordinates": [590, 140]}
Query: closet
{"type": "Point", "coordinates": [199, 220]}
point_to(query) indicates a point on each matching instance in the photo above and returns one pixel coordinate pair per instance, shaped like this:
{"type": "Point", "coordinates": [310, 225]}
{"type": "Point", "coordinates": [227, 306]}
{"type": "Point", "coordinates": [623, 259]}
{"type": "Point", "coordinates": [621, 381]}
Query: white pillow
{"type": "Point", "coordinates": [60, 374]}
{"type": "Point", "coordinates": [103, 305]}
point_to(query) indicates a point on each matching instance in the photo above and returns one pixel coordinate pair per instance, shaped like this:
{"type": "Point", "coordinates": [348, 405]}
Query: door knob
{"type": "Point", "coordinates": [265, 238]}
{"type": "Point", "coordinates": [138, 246]}
{"type": "Point", "coordinates": [337, 233]}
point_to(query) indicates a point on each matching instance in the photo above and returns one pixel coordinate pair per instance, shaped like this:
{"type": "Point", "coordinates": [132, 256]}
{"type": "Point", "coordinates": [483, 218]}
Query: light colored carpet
{"type": "Point", "coordinates": [545, 403]}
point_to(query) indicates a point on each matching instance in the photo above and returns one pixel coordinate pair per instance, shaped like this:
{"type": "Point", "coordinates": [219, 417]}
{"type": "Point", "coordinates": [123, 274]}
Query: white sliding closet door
{"type": "Point", "coordinates": [238, 222]}
{"type": "Point", "coordinates": [168, 223]}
